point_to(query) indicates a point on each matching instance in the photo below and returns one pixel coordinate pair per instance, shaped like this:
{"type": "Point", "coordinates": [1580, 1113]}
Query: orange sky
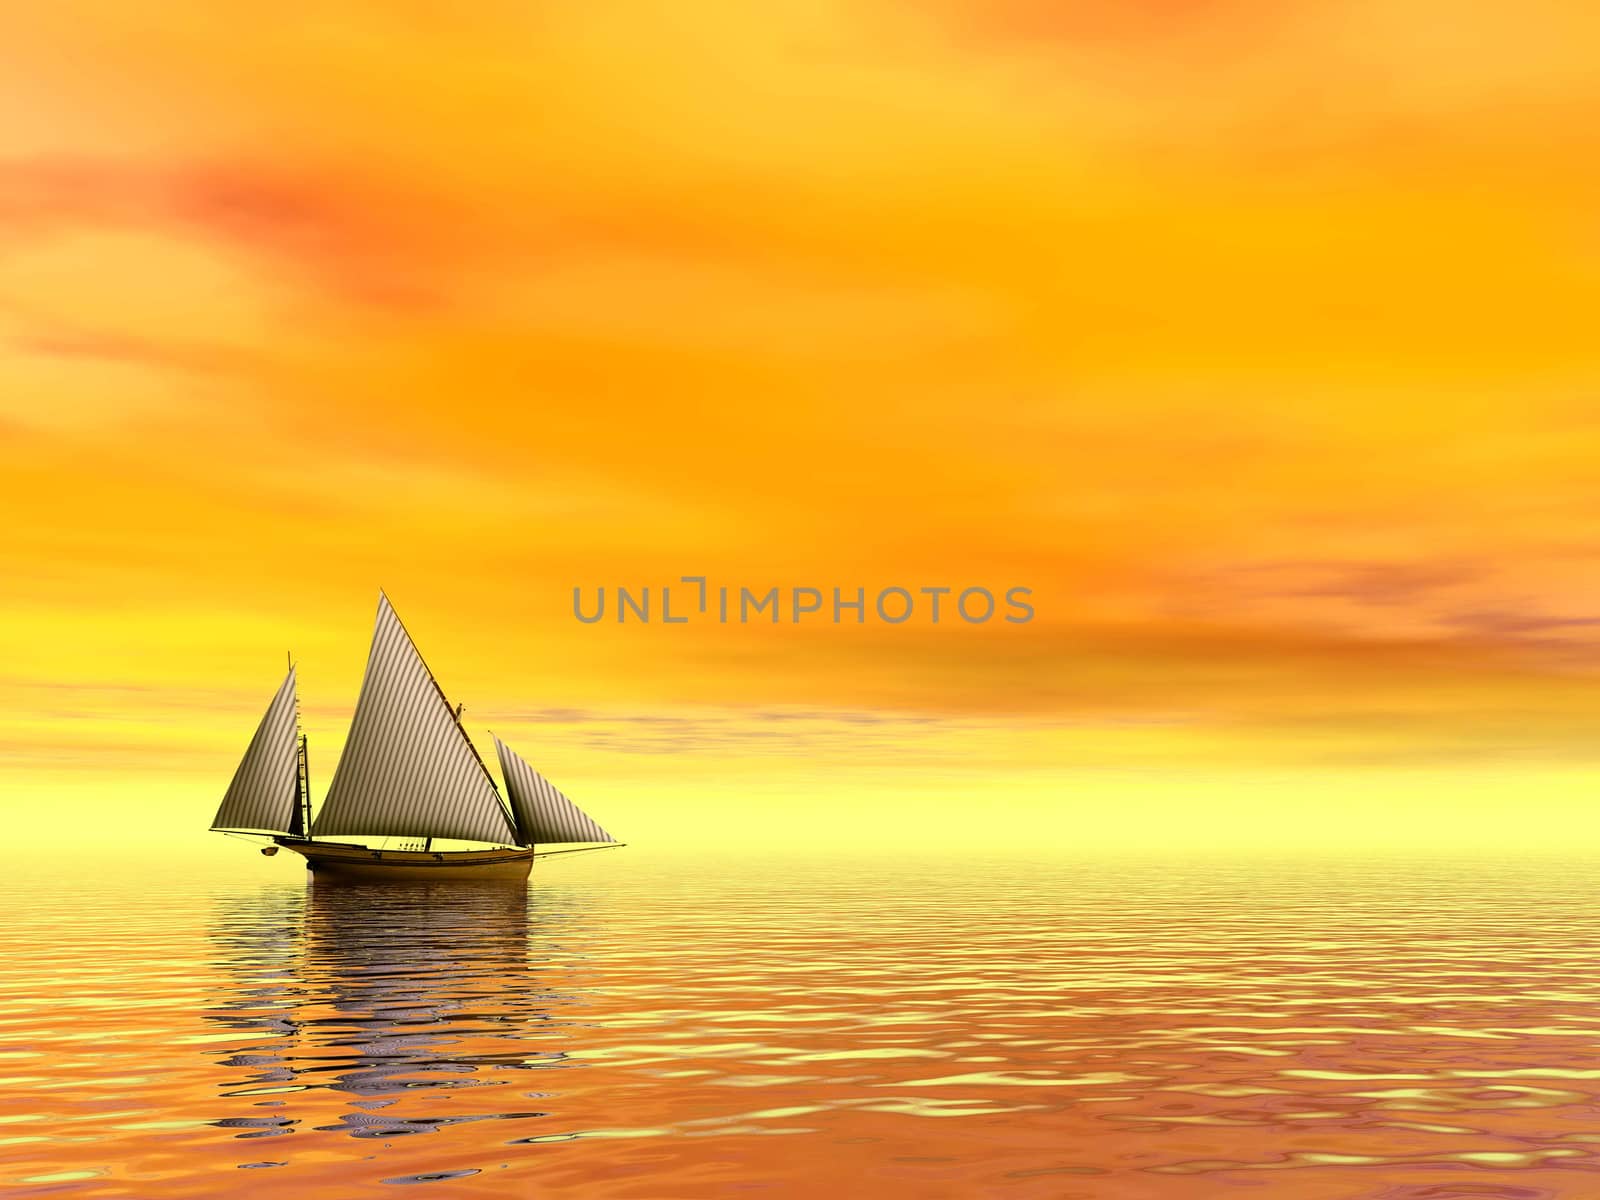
{"type": "Point", "coordinates": [1255, 338]}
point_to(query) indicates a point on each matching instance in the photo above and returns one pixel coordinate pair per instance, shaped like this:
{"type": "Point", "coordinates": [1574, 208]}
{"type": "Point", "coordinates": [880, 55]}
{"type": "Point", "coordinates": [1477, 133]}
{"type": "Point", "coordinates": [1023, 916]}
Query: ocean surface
{"type": "Point", "coordinates": [651, 1027]}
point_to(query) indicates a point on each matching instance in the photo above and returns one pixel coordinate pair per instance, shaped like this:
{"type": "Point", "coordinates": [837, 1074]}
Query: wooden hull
{"type": "Point", "coordinates": [347, 861]}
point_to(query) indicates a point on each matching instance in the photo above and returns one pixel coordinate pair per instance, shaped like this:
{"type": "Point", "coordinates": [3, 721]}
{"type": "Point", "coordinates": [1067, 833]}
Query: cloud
{"type": "Point", "coordinates": [128, 350]}
{"type": "Point", "coordinates": [1385, 584]}
{"type": "Point", "coordinates": [327, 233]}
{"type": "Point", "coordinates": [1570, 639]}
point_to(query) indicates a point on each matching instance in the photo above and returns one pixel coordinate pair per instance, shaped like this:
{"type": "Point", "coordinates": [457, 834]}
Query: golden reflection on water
{"type": "Point", "coordinates": [641, 1027]}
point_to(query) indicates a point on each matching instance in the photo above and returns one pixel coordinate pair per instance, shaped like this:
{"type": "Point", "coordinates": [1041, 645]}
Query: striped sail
{"type": "Point", "coordinates": [266, 786]}
{"type": "Point", "coordinates": [407, 769]}
{"type": "Point", "coordinates": [543, 813]}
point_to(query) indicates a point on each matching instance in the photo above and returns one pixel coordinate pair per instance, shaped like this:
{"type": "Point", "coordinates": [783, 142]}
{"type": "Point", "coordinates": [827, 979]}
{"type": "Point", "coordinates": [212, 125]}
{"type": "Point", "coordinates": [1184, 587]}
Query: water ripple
{"type": "Point", "coordinates": [639, 1028]}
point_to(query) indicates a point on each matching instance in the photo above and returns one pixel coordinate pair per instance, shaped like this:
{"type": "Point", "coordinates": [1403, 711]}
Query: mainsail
{"type": "Point", "coordinates": [407, 769]}
{"type": "Point", "coordinates": [266, 786]}
{"type": "Point", "coordinates": [543, 814]}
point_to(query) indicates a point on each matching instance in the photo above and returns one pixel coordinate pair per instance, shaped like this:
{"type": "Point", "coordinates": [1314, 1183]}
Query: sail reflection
{"type": "Point", "coordinates": [404, 997]}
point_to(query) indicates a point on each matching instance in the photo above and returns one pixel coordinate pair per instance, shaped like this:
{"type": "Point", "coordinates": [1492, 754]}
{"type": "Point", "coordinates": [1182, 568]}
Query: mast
{"type": "Point", "coordinates": [300, 820]}
{"type": "Point", "coordinates": [304, 808]}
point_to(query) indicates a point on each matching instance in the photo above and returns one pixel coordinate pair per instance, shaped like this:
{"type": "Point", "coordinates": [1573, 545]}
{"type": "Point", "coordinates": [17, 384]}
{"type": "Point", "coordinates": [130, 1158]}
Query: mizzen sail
{"type": "Point", "coordinates": [543, 814]}
{"type": "Point", "coordinates": [407, 769]}
{"type": "Point", "coordinates": [266, 786]}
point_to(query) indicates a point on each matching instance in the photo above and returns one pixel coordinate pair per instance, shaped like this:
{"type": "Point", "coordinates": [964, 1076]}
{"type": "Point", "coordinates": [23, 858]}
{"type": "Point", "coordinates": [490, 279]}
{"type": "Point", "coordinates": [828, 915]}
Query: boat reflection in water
{"type": "Point", "coordinates": [385, 1010]}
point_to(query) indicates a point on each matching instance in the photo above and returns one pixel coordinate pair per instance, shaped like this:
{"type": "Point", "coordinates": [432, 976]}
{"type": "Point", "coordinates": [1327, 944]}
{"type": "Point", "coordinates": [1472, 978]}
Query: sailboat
{"type": "Point", "coordinates": [408, 771]}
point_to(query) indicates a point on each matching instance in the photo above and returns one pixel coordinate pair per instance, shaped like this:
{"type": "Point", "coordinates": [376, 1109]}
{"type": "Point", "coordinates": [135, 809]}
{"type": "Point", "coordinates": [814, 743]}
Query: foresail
{"type": "Point", "coordinates": [543, 814]}
{"type": "Point", "coordinates": [407, 769]}
{"type": "Point", "coordinates": [266, 786]}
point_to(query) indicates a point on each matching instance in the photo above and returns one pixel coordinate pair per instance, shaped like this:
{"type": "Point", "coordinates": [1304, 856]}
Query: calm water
{"type": "Point", "coordinates": [637, 1026]}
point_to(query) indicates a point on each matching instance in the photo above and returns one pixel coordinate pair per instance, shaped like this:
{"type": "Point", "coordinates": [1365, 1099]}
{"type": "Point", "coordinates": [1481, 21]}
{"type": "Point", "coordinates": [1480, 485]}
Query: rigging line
{"type": "Point", "coordinates": [505, 801]}
{"type": "Point", "coordinates": [438, 687]}
{"type": "Point", "coordinates": [580, 850]}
